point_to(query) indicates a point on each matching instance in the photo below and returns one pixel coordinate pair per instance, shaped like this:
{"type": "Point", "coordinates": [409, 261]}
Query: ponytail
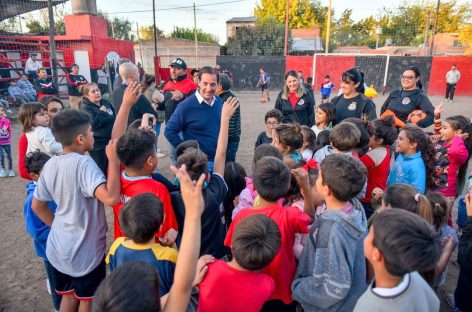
{"type": "Point", "coordinates": [356, 76]}
{"type": "Point", "coordinates": [405, 196]}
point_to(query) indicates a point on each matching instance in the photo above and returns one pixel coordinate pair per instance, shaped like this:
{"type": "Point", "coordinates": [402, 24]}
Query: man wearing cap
{"type": "Point", "coordinates": [74, 81]}
{"type": "Point", "coordinates": [178, 87]}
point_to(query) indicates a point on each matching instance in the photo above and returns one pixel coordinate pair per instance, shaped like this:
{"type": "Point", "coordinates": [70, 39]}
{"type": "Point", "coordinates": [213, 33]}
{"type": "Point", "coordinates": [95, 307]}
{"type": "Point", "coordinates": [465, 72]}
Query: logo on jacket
{"type": "Point", "coordinates": [352, 106]}
{"type": "Point", "coordinates": [406, 101]}
{"type": "Point", "coordinates": [301, 102]}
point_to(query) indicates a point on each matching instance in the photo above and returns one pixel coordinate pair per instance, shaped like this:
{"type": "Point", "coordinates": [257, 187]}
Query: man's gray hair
{"type": "Point", "coordinates": [225, 82]}
{"type": "Point", "coordinates": [126, 69]}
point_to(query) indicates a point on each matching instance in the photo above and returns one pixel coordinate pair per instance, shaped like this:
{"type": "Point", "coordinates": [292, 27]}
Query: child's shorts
{"type": "Point", "coordinates": [82, 287]}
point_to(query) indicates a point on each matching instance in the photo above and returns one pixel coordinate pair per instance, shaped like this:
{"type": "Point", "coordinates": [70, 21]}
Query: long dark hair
{"type": "Point", "coordinates": [416, 70]}
{"type": "Point", "coordinates": [425, 146]}
{"type": "Point", "coordinates": [356, 76]}
{"type": "Point", "coordinates": [330, 110]}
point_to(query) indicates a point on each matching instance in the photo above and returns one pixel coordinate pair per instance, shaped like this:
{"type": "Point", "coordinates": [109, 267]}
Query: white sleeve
{"type": "Point", "coordinates": [28, 65]}
{"type": "Point", "coordinates": [49, 142]}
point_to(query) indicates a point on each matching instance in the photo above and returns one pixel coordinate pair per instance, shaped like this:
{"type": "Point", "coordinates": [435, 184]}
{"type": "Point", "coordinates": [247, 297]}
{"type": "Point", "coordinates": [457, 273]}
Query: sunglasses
{"type": "Point", "coordinates": [408, 77]}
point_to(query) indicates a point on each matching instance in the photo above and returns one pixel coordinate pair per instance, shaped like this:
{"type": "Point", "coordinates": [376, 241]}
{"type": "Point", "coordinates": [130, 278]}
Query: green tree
{"type": "Point", "coordinates": [465, 37]}
{"type": "Point", "coordinates": [187, 33]}
{"type": "Point", "coordinates": [302, 13]}
{"type": "Point", "coordinates": [147, 32]}
{"type": "Point", "coordinates": [11, 24]}
{"type": "Point", "coordinates": [39, 22]}
{"type": "Point", "coordinates": [266, 38]}
{"type": "Point", "coordinates": [118, 28]}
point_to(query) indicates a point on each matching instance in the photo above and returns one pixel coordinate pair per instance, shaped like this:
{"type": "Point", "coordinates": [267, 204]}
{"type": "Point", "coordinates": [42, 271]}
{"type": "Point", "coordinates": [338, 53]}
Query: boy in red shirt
{"type": "Point", "coordinates": [271, 180]}
{"type": "Point", "coordinates": [256, 242]}
{"type": "Point", "coordinates": [137, 152]}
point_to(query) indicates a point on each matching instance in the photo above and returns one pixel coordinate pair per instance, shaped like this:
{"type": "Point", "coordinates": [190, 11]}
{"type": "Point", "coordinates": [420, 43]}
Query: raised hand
{"type": "Point", "coordinates": [229, 107]}
{"type": "Point", "coordinates": [110, 151]}
{"type": "Point", "coordinates": [131, 95]}
{"type": "Point", "coordinates": [438, 109]}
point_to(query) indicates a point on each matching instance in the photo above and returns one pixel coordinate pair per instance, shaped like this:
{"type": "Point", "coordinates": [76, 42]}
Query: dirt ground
{"type": "Point", "coordinates": [22, 277]}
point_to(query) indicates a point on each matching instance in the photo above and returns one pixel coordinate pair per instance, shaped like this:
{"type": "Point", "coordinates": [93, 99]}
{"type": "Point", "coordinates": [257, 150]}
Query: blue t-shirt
{"type": "Point", "coordinates": [162, 258]}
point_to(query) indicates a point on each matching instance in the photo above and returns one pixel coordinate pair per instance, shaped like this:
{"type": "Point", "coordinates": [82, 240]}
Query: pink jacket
{"type": "Point", "coordinates": [457, 155]}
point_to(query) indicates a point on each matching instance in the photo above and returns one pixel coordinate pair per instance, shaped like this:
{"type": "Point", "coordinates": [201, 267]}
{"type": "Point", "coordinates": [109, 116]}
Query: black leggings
{"type": "Point", "coordinates": [450, 89]}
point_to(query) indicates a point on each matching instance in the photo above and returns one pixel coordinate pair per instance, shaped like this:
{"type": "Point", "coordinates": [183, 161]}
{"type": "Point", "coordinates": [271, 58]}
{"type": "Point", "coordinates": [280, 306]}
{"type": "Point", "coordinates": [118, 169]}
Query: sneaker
{"type": "Point", "coordinates": [159, 155]}
{"type": "Point", "coordinates": [3, 173]}
{"type": "Point", "coordinates": [9, 111]}
{"type": "Point", "coordinates": [11, 173]}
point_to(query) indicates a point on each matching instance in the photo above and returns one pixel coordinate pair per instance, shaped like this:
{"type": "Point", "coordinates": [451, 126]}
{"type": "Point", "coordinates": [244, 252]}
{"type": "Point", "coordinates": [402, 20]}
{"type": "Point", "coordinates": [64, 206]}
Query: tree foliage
{"type": "Point", "coordinates": [147, 32]}
{"type": "Point", "coordinates": [118, 28]}
{"type": "Point", "coordinates": [465, 37]}
{"type": "Point", "coordinates": [302, 13]}
{"type": "Point", "coordinates": [187, 33]}
{"type": "Point", "coordinates": [266, 38]}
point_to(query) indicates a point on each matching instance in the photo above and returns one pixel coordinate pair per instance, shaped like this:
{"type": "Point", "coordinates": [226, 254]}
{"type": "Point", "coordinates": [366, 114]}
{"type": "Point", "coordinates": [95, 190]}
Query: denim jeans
{"type": "Point", "coordinates": [232, 150]}
{"type": "Point", "coordinates": [461, 212]}
{"type": "Point", "coordinates": [6, 150]}
{"type": "Point", "coordinates": [157, 130]}
{"type": "Point", "coordinates": [56, 299]}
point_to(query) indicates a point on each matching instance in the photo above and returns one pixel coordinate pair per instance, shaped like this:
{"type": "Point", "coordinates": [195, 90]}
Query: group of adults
{"type": "Point", "coordinates": [297, 104]}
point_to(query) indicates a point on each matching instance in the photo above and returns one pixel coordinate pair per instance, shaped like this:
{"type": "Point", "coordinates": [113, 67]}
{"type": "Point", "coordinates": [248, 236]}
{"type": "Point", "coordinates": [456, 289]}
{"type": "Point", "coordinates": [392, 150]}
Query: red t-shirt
{"type": "Point", "coordinates": [293, 99]}
{"type": "Point", "coordinates": [377, 162]}
{"type": "Point", "coordinates": [282, 269]}
{"type": "Point", "coordinates": [228, 289]}
{"type": "Point", "coordinates": [185, 86]}
{"type": "Point", "coordinates": [22, 148]}
{"type": "Point", "coordinates": [132, 186]}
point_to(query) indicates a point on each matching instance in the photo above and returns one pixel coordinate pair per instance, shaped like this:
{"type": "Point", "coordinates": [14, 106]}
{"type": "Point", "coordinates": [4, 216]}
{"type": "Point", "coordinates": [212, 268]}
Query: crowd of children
{"type": "Point", "coordinates": [343, 216]}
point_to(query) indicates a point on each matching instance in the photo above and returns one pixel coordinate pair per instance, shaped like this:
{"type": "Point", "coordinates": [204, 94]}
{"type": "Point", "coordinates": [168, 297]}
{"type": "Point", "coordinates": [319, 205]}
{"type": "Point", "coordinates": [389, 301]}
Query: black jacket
{"type": "Point", "coordinates": [45, 86]}
{"type": "Point", "coordinates": [139, 109]}
{"type": "Point", "coordinates": [102, 122]}
{"type": "Point", "coordinates": [402, 103]}
{"type": "Point", "coordinates": [73, 83]}
{"type": "Point", "coordinates": [234, 131]}
{"type": "Point", "coordinates": [303, 113]}
{"type": "Point", "coordinates": [358, 107]}
{"type": "Point", "coordinates": [464, 256]}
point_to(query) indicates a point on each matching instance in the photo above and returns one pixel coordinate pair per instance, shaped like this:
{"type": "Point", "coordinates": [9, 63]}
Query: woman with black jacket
{"type": "Point", "coordinates": [295, 103]}
{"type": "Point", "coordinates": [352, 103]}
{"type": "Point", "coordinates": [408, 99]}
{"type": "Point", "coordinates": [103, 116]}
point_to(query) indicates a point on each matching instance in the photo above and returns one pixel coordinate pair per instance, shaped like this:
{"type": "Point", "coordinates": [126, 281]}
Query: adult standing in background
{"type": "Point", "coordinates": [130, 75]}
{"type": "Point", "coordinates": [452, 78]}
{"type": "Point", "coordinates": [119, 79]}
{"type": "Point", "coordinates": [234, 131]}
{"type": "Point", "coordinates": [352, 102]}
{"type": "Point", "coordinates": [102, 116]}
{"type": "Point", "coordinates": [74, 81]}
{"type": "Point", "coordinates": [32, 66]}
{"type": "Point", "coordinates": [102, 79]}
{"type": "Point", "coordinates": [154, 97]}
{"type": "Point", "coordinates": [295, 103]}
{"type": "Point", "coordinates": [401, 103]}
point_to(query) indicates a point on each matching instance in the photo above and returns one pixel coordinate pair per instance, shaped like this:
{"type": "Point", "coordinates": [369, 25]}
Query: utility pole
{"type": "Point", "coordinates": [287, 10]}
{"type": "Point", "coordinates": [328, 27]}
{"type": "Point", "coordinates": [140, 45]}
{"type": "Point", "coordinates": [195, 33]}
{"type": "Point", "coordinates": [425, 43]}
{"type": "Point", "coordinates": [431, 48]}
{"type": "Point", "coordinates": [52, 44]}
{"type": "Point", "coordinates": [154, 26]}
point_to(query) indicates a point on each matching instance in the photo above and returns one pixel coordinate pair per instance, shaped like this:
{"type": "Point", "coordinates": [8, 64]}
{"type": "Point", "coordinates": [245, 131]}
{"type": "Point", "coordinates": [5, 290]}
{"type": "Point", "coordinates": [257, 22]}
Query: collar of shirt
{"type": "Point", "coordinates": [391, 292]}
{"type": "Point", "coordinates": [201, 99]}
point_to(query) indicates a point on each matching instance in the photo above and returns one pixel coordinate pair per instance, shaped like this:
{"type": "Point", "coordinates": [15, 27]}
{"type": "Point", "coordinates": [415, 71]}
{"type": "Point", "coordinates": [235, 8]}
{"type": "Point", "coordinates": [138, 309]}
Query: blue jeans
{"type": "Point", "coordinates": [56, 299]}
{"type": "Point", "coordinates": [461, 212]}
{"type": "Point", "coordinates": [157, 130]}
{"type": "Point", "coordinates": [6, 150]}
{"type": "Point", "coordinates": [232, 150]}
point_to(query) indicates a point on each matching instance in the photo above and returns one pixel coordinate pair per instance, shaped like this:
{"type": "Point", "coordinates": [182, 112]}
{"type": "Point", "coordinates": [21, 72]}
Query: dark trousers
{"type": "Point", "coordinates": [6, 150]}
{"type": "Point", "coordinates": [279, 306]}
{"type": "Point", "coordinates": [101, 159]}
{"type": "Point", "coordinates": [450, 89]}
{"type": "Point", "coordinates": [56, 299]}
{"type": "Point", "coordinates": [232, 150]}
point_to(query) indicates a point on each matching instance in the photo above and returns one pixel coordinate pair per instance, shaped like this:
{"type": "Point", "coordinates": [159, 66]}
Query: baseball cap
{"type": "Point", "coordinates": [179, 63]}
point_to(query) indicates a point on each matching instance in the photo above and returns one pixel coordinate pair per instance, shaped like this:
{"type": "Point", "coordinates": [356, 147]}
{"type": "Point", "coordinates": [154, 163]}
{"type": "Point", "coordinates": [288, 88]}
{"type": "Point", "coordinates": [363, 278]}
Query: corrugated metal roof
{"type": "Point", "coordinates": [11, 8]}
{"type": "Point", "coordinates": [248, 19]}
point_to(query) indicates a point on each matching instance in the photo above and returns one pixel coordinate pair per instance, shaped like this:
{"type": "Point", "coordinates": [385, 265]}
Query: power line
{"type": "Point", "coordinates": [177, 8]}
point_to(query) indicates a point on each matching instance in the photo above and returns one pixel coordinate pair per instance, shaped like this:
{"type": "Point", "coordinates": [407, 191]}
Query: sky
{"type": "Point", "coordinates": [213, 14]}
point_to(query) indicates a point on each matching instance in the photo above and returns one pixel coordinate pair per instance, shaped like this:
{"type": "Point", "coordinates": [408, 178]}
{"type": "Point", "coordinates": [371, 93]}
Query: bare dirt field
{"type": "Point", "coordinates": [22, 277]}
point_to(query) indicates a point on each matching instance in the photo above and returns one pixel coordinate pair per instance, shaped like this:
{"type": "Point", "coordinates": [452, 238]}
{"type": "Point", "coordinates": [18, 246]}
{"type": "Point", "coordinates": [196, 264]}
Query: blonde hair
{"type": "Point", "coordinates": [286, 92]}
{"type": "Point", "coordinates": [85, 89]}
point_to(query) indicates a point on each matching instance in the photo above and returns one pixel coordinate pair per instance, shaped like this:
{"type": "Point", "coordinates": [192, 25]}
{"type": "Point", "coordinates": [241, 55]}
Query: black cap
{"type": "Point", "coordinates": [179, 63]}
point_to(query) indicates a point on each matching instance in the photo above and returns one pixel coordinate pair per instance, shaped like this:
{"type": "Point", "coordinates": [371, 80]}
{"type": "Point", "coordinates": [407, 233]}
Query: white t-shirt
{"type": "Point", "coordinates": [77, 241]}
{"type": "Point", "coordinates": [42, 139]}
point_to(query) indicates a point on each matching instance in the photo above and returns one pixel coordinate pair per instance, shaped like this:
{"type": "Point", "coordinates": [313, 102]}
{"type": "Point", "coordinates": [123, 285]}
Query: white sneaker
{"type": "Point", "coordinates": [159, 154]}
{"type": "Point", "coordinates": [11, 173]}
